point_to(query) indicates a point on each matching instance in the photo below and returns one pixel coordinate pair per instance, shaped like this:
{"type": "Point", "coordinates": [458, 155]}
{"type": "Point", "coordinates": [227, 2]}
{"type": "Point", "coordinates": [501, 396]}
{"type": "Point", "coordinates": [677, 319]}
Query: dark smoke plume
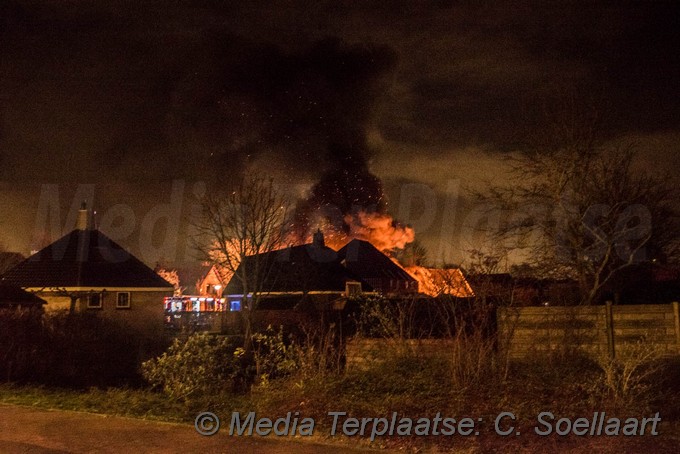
{"type": "Point", "coordinates": [309, 110]}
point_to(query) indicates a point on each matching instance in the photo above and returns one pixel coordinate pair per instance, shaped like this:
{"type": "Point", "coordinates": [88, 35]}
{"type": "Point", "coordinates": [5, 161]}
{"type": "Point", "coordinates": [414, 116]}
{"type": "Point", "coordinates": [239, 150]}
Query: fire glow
{"type": "Point", "coordinates": [381, 230]}
{"type": "Point", "coordinates": [440, 281]}
{"type": "Point", "coordinates": [386, 234]}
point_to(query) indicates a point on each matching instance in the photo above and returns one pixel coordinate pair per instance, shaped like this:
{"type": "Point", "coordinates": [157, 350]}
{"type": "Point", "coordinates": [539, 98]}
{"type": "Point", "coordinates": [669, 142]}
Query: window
{"type": "Point", "coordinates": [94, 301]}
{"type": "Point", "coordinates": [235, 305]}
{"type": "Point", "coordinates": [123, 300]}
{"type": "Point", "coordinates": [352, 288]}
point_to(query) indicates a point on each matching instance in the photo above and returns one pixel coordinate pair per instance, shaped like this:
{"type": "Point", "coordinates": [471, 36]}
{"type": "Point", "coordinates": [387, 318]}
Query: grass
{"type": "Point", "coordinates": [567, 385]}
{"type": "Point", "coordinates": [416, 386]}
{"type": "Point", "coordinates": [113, 401]}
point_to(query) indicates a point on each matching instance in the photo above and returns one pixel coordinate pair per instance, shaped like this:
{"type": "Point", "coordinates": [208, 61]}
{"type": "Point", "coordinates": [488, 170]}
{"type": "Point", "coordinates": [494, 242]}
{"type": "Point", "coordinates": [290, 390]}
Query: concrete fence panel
{"type": "Point", "coordinates": [605, 329]}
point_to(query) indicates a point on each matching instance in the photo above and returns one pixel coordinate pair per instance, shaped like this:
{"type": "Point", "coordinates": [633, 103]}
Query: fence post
{"type": "Point", "coordinates": [500, 324]}
{"type": "Point", "coordinates": [676, 315]}
{"type": "Point", "coordinates": [610, 329]}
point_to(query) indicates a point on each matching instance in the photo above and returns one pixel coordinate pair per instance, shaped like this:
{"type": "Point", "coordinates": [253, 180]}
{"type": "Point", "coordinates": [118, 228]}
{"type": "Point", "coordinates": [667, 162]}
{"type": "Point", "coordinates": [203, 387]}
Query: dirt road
{"type": "Point", "coordinates": [38, 431]}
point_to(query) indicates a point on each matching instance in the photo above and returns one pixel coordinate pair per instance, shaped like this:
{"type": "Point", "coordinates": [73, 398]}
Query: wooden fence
{"type": "Point", "coordinates": [529, 331]}
{"type": "Point", "coordinates": [605, 329]}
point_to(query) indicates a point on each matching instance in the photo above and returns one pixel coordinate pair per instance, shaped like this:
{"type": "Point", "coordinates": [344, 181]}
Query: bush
{"type": "Point", "coordinates": [74, 350]}
{"type": "Point", "coordinates": [626, 379]}
{"type": "Point", "coordinates": [475, 360]}
{"type": "Point", "coordinates": [274, 357]}
{"type": "Point", "coordinates": [405, 382]}
{"type": "Point", "coordinates": [320, 351]}
{"type": "Point", "coordinates": [20, 344]}
{"type": "Point", "coordinates": [199, 365]}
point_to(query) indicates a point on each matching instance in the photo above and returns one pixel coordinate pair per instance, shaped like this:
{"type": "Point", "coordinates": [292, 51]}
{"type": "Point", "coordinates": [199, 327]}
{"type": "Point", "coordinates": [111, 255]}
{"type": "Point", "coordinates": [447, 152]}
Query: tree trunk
{"type": "Point", "coordinates": [72, 307]}
{"type": "Point", "coordinates": [247, 331]}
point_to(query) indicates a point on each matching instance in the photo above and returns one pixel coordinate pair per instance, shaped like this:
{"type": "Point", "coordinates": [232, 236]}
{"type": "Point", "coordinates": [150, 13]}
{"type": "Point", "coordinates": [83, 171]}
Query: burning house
{"type": "Point", "coordinates": [308, 280]}
{"type": "Point", "coordinates": [295, 283]}
{"type": "Point", "coordinates": [213, 281]}
{"type": "Point", "coordinates": [310, 271]}
{"type": "Point", "coordinates": [441, 281]}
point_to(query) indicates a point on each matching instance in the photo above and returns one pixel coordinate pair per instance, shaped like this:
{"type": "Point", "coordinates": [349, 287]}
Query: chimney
{"type": "Point", "coordinates": [83, 222]}
{"type": "Point", "coordinates": [317, 239]}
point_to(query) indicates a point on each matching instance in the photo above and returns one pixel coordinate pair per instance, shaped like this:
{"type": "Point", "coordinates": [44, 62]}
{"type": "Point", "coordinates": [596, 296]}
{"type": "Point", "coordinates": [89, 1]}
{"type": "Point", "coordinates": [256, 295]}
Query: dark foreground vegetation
{"type": "Point", "coordinates": [306, 374]}
{"type": "Point", "coordinates": [75, 350]}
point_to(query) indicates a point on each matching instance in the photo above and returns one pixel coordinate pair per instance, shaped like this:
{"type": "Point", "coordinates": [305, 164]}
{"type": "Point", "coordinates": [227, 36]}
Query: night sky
{"type": "Point", "coordinates": [131, 96]}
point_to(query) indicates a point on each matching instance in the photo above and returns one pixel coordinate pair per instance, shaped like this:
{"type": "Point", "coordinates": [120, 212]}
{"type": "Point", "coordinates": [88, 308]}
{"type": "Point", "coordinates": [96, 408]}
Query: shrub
{"type": "Point", "coordinates": [475, 360]}
{"type": "Point", "coordinates": [201, 364]}
{"type": "Point", "coordinates": [320, 351]}
{"type": "Point", "coordinates": [377, 316]}
{"type": "Point", "coordinates": [409, 383]}
{"type": "Point", "coordinates": [274, 357]}
{"type": "Point", "coordinates": [74, 350]}
{"type": "Point", "coordinates": [20, 338]}
{"type": "Point", "coordinates": [626, 377]}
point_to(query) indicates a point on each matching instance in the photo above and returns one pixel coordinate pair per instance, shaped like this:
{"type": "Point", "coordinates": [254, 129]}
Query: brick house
{"type": "Point", "coordinates": [86, 270]}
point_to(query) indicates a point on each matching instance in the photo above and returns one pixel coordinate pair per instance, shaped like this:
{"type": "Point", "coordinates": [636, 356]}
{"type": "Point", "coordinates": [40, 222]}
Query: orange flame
{"type": "Point", "coordinates": [441, 281]}
{"type": "Point", "coordinates": [381, 230]}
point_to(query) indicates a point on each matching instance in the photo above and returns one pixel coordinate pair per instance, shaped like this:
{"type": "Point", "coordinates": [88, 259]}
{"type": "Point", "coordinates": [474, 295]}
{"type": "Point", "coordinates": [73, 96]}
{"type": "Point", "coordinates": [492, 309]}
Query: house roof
{"type": "Point", "coordinates": [306, 268]}
{"type": "Point", "coordinates": [9, 259]}
{"type": "Point", "coordinates": [13, 295]}
{"type": "Point", "coordinates": [83, 258]}
{"type": "Point", "coordinates": [441, 281]}
{"type": "Point", "coordinates": [222, 273]}
{"type": "Point", "coordinates": [366, 261]}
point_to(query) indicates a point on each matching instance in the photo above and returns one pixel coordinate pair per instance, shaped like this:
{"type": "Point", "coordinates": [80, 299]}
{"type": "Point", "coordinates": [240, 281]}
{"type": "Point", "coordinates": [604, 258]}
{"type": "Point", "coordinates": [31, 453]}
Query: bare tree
{"type": "Point", "coordinates": [587, 213]}
{"type": "Point", "coordinates": [581, 208]}
{"type": "Point", "coordinates": [247, 220]}
{"type": "Point", "coordinates": [74, 296]}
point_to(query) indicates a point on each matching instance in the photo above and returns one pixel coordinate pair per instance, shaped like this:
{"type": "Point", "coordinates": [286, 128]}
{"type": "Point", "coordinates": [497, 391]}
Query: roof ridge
{"type": "Point", "coordinates": [84, 258]}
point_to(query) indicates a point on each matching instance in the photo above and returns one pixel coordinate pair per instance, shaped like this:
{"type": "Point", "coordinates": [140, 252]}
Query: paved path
{"type": "Point", "coordinates": [29, 430]}
{"type": "Point", "coordinates": [38, 431]}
